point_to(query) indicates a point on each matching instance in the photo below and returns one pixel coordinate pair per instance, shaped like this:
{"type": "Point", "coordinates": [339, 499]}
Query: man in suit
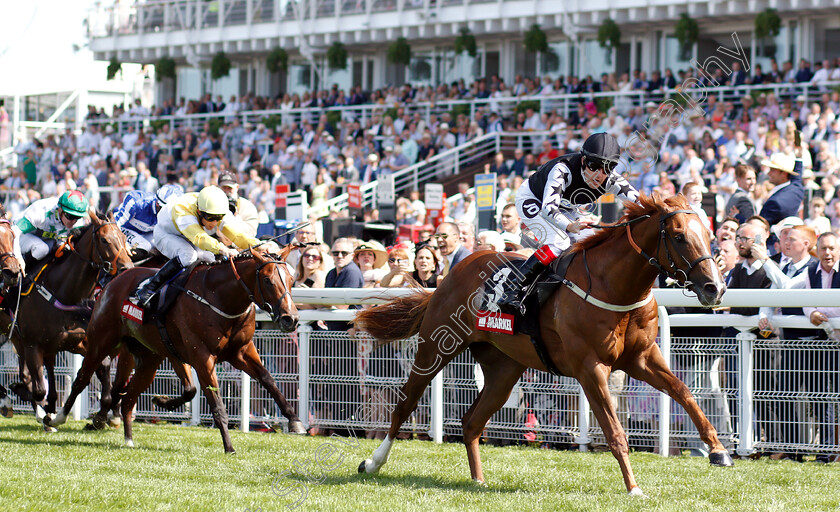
{"type": "Point", "coordinates": [786, 197]}
{"type": "Point", "coordinates": [741, 205]}
{"type": "Point", "coordinates": [798, 243]}
{"type": "Point", "coordinates": [448, 237]}
{"type": "Point", "coordinates": [822, 367]}
{"type": "Point", "coordinates": [749, 274]}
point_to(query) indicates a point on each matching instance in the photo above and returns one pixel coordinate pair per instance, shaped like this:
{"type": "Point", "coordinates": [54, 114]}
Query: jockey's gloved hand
{"type": "Point", "coordinates": [227, 252]}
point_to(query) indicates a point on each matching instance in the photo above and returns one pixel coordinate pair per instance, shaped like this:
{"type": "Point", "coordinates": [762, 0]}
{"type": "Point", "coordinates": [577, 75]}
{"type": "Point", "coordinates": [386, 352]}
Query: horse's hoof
{"type": "Point", "coordinates": [160, 400]}
{"type": "Point", "coordinates": [296, 427]}
{"type": "Point", "coordinates": [362, 466]}
{"type": "Point", "coordinates": [115, 422]}
{"type": "Point", "coordinates": [721, 459]}
{"type": "Point", "coordinates": [50, 429]}
{"type": "Point", "coordinates": [637, 491]}
{"type": "Point", "coordinates": [230, 452]}
{"type": "Point", "coordinates": [129, 443]}
{"type": "Point", "coordinates": [7, 412]}
{"type": "Point", "coordinates": [481, 483]}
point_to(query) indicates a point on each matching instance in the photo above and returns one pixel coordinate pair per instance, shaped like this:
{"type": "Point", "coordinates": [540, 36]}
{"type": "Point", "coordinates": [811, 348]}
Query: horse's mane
{"type": "Point", "coordinates": [647, 205]}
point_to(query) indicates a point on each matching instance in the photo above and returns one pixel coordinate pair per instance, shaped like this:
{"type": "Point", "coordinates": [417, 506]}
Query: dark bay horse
{"type": "Point", "coordinates": [214, 320]}
{"type": "Point", "coordinates": [584, 340]}
{"type": "Point", "coordinates": [51, 317]}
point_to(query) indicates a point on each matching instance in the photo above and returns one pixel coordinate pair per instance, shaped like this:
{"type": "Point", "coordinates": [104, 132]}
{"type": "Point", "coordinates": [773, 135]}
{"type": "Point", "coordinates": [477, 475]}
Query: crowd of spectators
{"type": "Point", "coordinates": [732, 159]}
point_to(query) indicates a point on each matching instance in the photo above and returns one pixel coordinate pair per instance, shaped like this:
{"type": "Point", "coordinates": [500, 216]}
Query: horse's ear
{"type": "Point", "coordinates": [284, 253]}
{"type": "Point", "coordinates": [111, 216]}
{"type": "Point", "coordinates": [94, 218]}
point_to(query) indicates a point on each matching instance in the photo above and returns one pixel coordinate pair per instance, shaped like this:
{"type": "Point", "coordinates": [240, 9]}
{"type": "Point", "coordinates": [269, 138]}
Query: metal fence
{"type": "Point", "coordinates": [789, 390]}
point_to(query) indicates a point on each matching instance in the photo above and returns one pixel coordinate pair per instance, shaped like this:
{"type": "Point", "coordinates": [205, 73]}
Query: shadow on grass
{"type": "Point", "coordinates": [83, 439]}
{"type": "Point", "coordinates": [409, 481]}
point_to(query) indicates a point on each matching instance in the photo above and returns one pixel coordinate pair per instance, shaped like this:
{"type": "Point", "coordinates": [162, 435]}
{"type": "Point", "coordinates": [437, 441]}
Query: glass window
{"type": "Point", "coordinates": [420, 69]}
{"type": "Point", "coordinates": [342, 77]}
{"type": "Point", "coordinates": [595, 60]}
{"type": "Point", "coordinates": [676, 56]}
{"type": "Point", "coordinates": [553, 62]}
{"type": "Point", "coordinates": [300, 77]}
{"type": "Point", "coordinates": [452, 67]}
{"type": "Point", "coordinates": [770, 48]}
{"type": "Point", "coordinates": [524, 62]}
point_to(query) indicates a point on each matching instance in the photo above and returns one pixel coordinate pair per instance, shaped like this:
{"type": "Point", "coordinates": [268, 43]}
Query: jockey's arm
{"type": "Point", "coordinates": [123, 213]}
{"type": "Point", "coordinates": [239, 239]}
{"type": "Point", "coordinates": [33, 219]}
{"type": "Point", "coordinates": [619, 186]}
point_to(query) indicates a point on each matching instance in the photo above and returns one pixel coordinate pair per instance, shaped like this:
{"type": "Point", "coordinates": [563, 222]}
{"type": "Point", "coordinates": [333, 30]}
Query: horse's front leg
{"type": "Point", "coordinates": [651, 367]}
{"type": "Point", "coordinates": [593, 377]}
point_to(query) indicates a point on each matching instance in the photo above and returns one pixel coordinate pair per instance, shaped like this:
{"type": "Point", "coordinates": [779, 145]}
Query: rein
{"type": "Point", "coordinates": [109, 267]}
{"type": "Point", "coordinates": [676, 273]}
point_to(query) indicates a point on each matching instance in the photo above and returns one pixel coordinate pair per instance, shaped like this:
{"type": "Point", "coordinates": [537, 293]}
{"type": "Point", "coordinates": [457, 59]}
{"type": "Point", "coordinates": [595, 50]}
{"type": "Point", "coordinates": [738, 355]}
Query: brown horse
{"type": "Point", "coordinates": [213, 320]}
{"type": "Point", "coordinates": [584, 340]}
{"type": "Point", "coordinates": [51, 317]}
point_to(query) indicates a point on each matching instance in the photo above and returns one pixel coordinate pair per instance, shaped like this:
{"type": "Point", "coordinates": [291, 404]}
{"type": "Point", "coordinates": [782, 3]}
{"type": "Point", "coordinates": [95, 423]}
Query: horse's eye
{"type": "Point", "coordinates": [267, 280]}
{"type": "Point", "coordinates": [679, 237]}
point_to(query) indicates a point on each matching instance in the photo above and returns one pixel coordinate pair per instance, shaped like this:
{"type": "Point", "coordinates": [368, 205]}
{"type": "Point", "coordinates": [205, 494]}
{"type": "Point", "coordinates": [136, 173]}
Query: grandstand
{"type": "Point", "coordinates": [192, 32]}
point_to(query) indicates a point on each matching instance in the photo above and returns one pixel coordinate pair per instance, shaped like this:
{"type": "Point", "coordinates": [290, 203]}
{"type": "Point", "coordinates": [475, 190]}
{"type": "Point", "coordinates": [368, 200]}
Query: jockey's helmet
{"type": "Point", "coordinates": [212, 201]}
{"type": "Point", "coordinates": [167, 192]}
{"type": "Point", "coordinates": [602, 150]}
{"type": "Point", "coordinates": [73, 203]}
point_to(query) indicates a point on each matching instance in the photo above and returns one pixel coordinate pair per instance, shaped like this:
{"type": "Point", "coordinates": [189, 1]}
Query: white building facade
{"type": "Point", "coordinates": [193, 31]}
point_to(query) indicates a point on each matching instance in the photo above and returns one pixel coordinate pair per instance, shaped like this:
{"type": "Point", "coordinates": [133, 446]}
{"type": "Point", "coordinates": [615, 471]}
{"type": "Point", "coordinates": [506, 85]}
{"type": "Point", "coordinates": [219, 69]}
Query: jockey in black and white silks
{"type": "Point", "coordinates": [554, 201]}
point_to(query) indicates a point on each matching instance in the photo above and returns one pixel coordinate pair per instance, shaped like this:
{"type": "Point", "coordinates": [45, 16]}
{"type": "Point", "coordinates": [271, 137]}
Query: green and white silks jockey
{"type": "Point", "coordinates": [50, 218]}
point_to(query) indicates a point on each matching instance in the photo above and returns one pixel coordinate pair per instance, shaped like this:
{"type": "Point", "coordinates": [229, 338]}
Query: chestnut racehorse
{"type": "Point", "coordinates": [585, 339]}
{"type": "Point", "coordinates": [212, 320]}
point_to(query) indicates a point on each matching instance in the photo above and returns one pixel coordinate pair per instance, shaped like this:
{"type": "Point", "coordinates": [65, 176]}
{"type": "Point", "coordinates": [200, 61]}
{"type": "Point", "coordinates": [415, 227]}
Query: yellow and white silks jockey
{"type": "Point", "coordinates": [186, 231]}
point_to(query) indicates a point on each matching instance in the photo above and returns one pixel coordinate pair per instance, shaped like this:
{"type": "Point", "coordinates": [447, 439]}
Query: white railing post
{"type": "Point", "coordinates": [195, 403]}
{"type": "Point", "coordinates": [664, 399]}
{"type": "Point", "coordinates": [245, 402]}
{"type": "Point", "coordinates": [82, 405]}
{"type": "Point", "coordinates": [745, 391]}
{"type": "Point", "coordinates": [583, 440]}
{"type": "Point", "coordinates": [437, 408]}
{"type": "Point", "coordinates": [304, 331]}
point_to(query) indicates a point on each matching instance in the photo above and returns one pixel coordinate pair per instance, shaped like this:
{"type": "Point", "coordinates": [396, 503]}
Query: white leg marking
{"type": "Point", "coordinates": [380, 456]}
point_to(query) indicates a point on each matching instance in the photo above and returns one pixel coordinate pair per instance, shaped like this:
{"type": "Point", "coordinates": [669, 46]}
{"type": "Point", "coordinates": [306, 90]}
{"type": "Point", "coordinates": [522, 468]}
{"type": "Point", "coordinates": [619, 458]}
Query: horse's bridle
{"type": "Point", "coordinates": [264, 305]}
{"type": "Point", "coordinates": [109, 267]}
{"type": "Point", "coordinates": [673, 272]}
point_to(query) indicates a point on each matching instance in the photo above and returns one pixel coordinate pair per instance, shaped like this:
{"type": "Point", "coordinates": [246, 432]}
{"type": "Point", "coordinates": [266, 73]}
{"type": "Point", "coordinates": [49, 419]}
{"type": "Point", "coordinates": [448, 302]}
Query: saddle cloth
{"type": "Point", "coordinates": [491, 318]}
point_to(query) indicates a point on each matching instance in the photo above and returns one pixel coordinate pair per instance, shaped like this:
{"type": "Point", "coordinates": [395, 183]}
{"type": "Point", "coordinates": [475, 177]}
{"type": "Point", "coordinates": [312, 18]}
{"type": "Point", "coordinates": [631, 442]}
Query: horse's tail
{"type": "Point", "coordinates": [395, 320]}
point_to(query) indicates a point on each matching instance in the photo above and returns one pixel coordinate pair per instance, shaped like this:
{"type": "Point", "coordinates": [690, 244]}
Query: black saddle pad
{"type": "Point", "coordinates": [165, 298]}
{"type": "Point", "coordinates": [536, 297]}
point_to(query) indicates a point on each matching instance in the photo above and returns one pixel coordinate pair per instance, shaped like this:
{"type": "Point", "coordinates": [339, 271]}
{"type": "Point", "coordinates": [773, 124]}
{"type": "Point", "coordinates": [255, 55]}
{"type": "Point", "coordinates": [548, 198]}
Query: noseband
{"type": "Point", "coordinates": [673, 272]}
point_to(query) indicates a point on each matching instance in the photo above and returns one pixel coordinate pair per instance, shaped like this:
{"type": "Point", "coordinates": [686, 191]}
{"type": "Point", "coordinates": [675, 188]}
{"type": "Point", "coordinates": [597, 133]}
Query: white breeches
{"type": "Point", "coordinates": [176, 246]}
{"type": "Point", "coordinates": [33, 245]}
{"type": "Point", "coordinates": [137, 240]}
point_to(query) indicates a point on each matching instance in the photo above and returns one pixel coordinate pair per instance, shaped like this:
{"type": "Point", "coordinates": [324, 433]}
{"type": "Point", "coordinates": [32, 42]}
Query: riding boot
{"type": "Point", "coordinates": [512, 300]}
{"type": "Point", "coordinates": [166, 272]}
